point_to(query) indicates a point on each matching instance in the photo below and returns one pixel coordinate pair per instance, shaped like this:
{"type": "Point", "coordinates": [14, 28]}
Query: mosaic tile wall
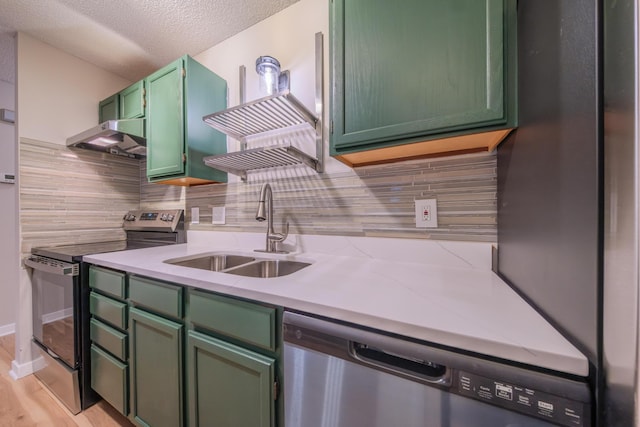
{"type": "Point", "coordinates": [76, 196]}
{"type": "Point", "coordinates": [368, 201]}
{"type": "Point", "coordinates": [73, 196]}
{"type": "Point", "coordinates": [158, 196]}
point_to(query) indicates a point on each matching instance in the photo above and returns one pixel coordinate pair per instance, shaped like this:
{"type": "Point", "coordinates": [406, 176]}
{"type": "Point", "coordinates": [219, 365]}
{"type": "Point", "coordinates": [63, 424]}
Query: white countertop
{"type": "Point", "coordinates": [441, 292]}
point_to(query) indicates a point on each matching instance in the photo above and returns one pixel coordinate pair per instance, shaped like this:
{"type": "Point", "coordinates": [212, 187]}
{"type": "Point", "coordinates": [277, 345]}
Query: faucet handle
{"type": "Point", "coordinates": [279, 237]}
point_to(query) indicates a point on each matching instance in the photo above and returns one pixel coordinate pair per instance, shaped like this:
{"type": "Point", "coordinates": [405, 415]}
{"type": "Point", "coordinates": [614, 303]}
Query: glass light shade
{"type": "Point", "coordinates": [269, 70]}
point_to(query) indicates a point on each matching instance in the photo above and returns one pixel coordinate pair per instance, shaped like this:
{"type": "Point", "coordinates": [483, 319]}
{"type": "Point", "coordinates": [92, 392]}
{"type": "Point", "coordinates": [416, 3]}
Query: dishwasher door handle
{"type": "Point", "coordinates": [404, 358]}
{"type": "Point", "coordinates": [400, 364]}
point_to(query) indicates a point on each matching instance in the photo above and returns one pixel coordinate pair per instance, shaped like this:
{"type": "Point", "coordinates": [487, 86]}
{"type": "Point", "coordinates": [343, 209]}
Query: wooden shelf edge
{"type": "Point", "coordinates": [186, 182]}
{"type": "Point", "coordinates": [485, 141]}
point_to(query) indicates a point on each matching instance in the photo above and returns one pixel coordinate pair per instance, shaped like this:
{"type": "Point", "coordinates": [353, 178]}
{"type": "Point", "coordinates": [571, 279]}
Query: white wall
{"type": "Point", "coordinates": [289, 36]}
{"type": "Point", "coordinates": [57, 96]}
{"type": "Point", "coordinates": [8, 217]}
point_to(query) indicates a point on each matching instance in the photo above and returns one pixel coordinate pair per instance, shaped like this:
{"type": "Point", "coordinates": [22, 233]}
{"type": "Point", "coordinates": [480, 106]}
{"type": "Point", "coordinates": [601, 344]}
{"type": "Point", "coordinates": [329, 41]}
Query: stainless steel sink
{"type": "Point", "coordinates": [268, 268]}
{"type": "Point", "coordinates": [216, 262]}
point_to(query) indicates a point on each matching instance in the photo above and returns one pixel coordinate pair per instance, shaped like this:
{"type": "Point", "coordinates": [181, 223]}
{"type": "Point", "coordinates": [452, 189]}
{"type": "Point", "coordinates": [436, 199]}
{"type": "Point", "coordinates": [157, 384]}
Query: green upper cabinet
{"type": "Point", "coordinates": [178, 96]}
{"type": "Point", "coordinates": [132, 101]}
{"type": "Point", "coordinates": [129, 103]}
{"type": "Point", "coordinates": [109, 109]}
{"type": "Point", "coordinates": [420, 77]}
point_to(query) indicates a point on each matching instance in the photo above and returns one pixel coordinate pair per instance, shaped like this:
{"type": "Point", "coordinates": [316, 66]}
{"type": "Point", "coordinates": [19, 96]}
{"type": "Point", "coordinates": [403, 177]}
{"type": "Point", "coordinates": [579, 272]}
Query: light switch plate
{"type": "Point", "coordinates": [426, 213]}
{"type": "Point", "coordinates": [7, 116]}
{"type": "Point", "coordinates": [218, 215]}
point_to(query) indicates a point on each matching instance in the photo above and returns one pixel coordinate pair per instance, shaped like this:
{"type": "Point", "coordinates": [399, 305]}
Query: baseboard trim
{"type": "Point", "coordinates": [7, 329]}
{"type": "Point", "coordinates": [22, 370]}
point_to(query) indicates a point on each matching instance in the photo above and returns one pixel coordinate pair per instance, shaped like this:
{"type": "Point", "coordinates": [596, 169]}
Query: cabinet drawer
{"type": "Point", "coordinates": [109, 379]}
{"type": "Point", "coordinates": [251, 323]}
{"type": "Point", "coordinates": [109, 310]}
{"type": "Point", "coordinates": [108, 281]}
{"type": "Point", "coordinates": [160, 297]}
{"type": "Point", "coordinates": [112, 340]}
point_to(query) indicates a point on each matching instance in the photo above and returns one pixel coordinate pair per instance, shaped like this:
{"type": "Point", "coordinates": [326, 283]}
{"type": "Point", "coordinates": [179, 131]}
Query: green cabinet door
{"type": "Point", "coordinates": [156, 370]}
{"type": "Point", "coordinates": [132, 101]}
{"type": "Point", "coordinates": [178, 96]}
{"type": "Point", "coordinates": [109, 109]}
{"type": "Point", "coordinates": [229, 386]}
{"type": "Point", "coordinates": [165, 124]}
{"type": "Point", "coordinates": [419, 69]}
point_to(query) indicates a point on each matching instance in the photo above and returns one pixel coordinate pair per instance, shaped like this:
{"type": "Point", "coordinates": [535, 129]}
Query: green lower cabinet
{"type": "Point", "coordinates": [108, 333]}
{"type": "Point", "coordinates": [229, 386]}
{"type": "Point", "coordinates": [156, 370]}
{"type": "Point", "coordinates": [109, 379]}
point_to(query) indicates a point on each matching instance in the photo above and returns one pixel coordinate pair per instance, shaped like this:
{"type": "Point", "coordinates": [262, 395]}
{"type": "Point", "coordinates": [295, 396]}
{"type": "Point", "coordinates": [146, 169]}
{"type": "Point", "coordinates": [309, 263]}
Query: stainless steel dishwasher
{"type": "Point", "coordinates": [338, 375]}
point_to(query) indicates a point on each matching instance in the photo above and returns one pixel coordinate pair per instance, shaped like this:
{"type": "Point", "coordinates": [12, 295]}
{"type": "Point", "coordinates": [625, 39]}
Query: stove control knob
{"type": "Point", "coordinates": [163, 217]}
{"type": "Point", "coordinates": [170, 217]}
{"type": "Point", "coordinates": [129, 217]}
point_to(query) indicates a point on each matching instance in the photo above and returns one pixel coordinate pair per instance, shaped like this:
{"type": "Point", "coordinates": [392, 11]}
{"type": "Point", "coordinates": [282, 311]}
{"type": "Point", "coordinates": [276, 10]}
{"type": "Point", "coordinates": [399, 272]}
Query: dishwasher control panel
{"type": "Point", "coordinates": [546, 406]}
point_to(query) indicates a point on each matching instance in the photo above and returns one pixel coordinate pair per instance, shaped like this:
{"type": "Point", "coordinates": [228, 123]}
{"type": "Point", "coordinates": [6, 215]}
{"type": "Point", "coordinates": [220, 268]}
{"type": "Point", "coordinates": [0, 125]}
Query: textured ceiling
{"type": "Point", "coordinates": [131, 38]}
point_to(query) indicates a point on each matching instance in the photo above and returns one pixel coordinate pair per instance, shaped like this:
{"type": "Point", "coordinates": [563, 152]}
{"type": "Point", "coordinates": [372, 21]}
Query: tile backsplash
{"type": "Point", "coordinates": [367, 201]}
{"type": "Point", "coordinates": [73, 196]}
{"type": "Point", "coordinates": [77, 196]}
{"type": "Point", "coordinates": [159, 196]}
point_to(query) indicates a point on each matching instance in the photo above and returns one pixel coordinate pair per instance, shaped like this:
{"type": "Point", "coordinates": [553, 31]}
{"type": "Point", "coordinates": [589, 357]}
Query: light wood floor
{"type": "Point", "coordinates": [27, 403]}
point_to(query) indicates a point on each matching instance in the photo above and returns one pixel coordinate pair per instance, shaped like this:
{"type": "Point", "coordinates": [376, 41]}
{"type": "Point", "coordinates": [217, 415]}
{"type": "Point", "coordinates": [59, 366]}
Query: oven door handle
{"type": "Point", "coordinates": [52, 266]}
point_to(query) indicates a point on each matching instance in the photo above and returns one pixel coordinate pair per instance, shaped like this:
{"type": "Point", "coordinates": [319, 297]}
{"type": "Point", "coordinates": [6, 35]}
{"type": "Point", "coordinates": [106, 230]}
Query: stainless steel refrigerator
{"type": "Point", "coordinates": [568, 186]}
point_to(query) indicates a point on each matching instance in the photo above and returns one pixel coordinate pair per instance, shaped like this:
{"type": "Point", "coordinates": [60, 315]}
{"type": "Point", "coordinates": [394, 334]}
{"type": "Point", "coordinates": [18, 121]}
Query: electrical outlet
{"type": "Point", "coordinates": [195, 215]}
{"type": "Point", "coordinates": [426, 213]}
{"type": "Point", "coordinates": [218, 215]}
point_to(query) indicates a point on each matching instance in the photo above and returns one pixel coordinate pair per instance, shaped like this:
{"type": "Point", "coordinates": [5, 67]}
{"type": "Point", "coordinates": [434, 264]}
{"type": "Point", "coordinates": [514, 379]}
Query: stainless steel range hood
{"type": "Point", "coordinates": [120, 137]}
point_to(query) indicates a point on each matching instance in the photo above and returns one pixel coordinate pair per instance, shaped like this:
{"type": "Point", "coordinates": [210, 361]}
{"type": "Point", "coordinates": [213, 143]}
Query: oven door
{"type": "Point", "coordinates": [55, 285]}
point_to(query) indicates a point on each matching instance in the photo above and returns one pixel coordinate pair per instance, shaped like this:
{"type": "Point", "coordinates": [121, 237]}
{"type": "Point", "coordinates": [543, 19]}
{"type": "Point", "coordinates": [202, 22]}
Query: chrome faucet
{"type": "Point", "coordinates": [266, 212]}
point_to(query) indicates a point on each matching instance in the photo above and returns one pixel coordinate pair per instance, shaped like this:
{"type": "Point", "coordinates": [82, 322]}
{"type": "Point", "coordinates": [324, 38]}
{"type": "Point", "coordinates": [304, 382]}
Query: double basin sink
{"type": "Point", "coordinates": [241, 265]}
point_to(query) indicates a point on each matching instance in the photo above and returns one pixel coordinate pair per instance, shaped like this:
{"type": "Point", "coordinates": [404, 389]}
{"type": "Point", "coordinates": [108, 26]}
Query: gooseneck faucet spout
{"type": "Point", "coordinates": [265, 212]}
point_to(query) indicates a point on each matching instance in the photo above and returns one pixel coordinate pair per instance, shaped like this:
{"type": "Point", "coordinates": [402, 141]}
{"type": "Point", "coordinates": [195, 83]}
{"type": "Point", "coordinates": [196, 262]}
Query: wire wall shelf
{"type": "Point", "coordinates": [279, 111]}
{"type": "Point", "coordinates": [264, 116]}
{"type": "Point", "coordinates": [241, 162]}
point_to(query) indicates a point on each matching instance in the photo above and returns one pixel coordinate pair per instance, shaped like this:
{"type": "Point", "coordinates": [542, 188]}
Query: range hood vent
{"type": "Point", "coordinates": [119, 137]}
